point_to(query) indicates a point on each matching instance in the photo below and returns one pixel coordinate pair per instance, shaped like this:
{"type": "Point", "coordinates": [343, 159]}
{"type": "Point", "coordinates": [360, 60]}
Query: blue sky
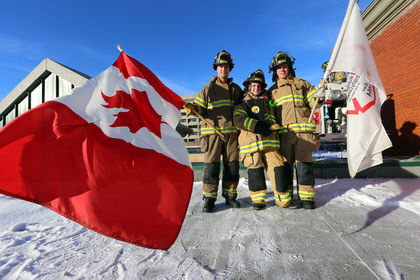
{"type": "Point", "coordinates": [177, 40]}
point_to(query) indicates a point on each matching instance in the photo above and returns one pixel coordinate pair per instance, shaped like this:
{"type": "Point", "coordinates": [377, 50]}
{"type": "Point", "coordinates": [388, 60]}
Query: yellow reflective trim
{"type": "Point", "coordinates": [199, 99]}
{"type": "Point", "coordinates": [211, 194]}
{"type": "Point", "coordinates": [209, 130]}
{"type": "Point", "coordinates": [221, 103]}
{"type": "Point", "coordinates": [302, 127]}
{"type": "Point", "coordinates": [285, 196]}
{"type": "Point", "coordinates": [306, 194]}
{"type": "Point", "coordinates": [258, 197]}
{"type": "Point", "coordinates": [298, 127]}
{"type": "Point", "coordinates": [240, 112]}
{"type": "Point", "coordinates": [310, 96]}
{"type": "Point", "coordinates": [303, 192]}
{"type": "Point", "coordinates": [200, 102]}
{"type": "Point", "coordinates": [282, 130]}
{"type": "Point", "coordinates": [259, 145]}
{"type": "Point", "coordinates": [288, 98]}
{"type": "Point", "coordinates": [247, 123]}
{"type": "Point", "coordinates": [232, 191]}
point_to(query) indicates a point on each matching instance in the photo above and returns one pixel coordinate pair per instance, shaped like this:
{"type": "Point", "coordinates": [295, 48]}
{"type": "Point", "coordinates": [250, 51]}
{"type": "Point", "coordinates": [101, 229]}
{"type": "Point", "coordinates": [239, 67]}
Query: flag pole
{"type": "Point", "coordinates": [334, 53]}
{"type": "Point", "coordinates": [208, 123]}
{"type": "Point", "coordinates": [339, 38]}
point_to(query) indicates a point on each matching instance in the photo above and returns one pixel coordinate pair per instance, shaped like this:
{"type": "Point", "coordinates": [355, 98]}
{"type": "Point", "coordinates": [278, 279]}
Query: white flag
{"type": "Point", "coordinates": [366, 137]}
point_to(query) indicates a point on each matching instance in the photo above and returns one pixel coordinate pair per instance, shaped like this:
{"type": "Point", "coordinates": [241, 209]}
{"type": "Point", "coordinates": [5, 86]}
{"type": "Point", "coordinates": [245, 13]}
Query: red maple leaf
{"type": "Point", "coordinates": [140, 112]}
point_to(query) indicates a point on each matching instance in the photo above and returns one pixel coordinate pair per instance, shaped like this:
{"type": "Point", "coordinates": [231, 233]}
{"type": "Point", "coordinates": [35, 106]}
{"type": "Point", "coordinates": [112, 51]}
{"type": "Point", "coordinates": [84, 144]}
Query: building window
{"type": "Point", "coordinates": [10, 116]}
{"type": "Point", "coordinates": [64, 87]}
{"type": "Point", "coordinates": [36, 96]}
{"type": "Point", "coordinates": [50, 87]}
{"type": "Point", "coordinates": [194, 150]}
{"type": "Point", "coordinates": [23, 106]}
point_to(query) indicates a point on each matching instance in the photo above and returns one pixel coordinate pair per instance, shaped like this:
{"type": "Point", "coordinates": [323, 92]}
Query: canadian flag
{"type": "Point", "coordinates": [366, 137]}
{"type": "Point", "coordinates": [106, 156]}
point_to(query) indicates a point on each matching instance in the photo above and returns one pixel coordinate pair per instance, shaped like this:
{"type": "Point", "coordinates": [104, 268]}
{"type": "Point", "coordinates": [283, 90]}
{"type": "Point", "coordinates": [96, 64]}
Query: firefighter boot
{"type": "Point", "coordinates": [257, 187]}
{"type": "Point", "coordinates": [306, 184]}
{"type": "Point", "coordinates": [308, 204]}
{"type": "Point", "coordinates": [258, 206]}
{"type": "Point", "coordinates": [232, 202]}
{"type": "Point", "coordinates": [208, 204]}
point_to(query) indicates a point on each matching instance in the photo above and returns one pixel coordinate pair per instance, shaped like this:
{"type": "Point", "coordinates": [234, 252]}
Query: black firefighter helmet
{"type": "Point", "coordinates": [255, 77]}
{"type": "Point", "coordinates": [221, 58]}
{"type": "Point", "coordinates": [279, 59]}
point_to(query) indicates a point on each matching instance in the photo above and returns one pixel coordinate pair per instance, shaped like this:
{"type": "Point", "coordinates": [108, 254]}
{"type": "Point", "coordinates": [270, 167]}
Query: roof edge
{"type": "Point", "coordinates": [380, 13]}
{"type": "Point", "coordinates": [47, 65]}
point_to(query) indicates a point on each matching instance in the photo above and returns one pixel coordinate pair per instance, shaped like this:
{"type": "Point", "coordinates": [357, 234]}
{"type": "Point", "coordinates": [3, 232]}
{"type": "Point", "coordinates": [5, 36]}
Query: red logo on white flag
{"type": "Point", "coordinates": [367, 137]}
{"type": "Point", "coordinates": [361, 94]}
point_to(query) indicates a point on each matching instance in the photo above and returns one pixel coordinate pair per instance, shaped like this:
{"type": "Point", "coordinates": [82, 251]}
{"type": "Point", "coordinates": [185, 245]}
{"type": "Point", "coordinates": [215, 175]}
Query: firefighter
{"type": "Point", "coordinates": [334, 77]}
{"type": "Point", "coordinates": [294, 98]}
{"type": "Point", "coordinates": [215, 103]}
{"type": "Point", "coordinates": [258, 144]}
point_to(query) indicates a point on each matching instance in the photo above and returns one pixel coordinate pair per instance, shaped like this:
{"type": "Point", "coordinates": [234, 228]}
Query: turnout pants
{"type": "Point", "coordinates": [274, 163]}
{"type": "Point", "coordinates": [215, 148]}
{"type": "Point", "coordinates": [297, 148]}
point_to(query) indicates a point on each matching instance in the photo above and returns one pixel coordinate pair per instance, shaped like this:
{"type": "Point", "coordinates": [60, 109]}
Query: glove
{"type": "Point", "coordinates": [320, 93]}
{"type": "Point", "coordinates": [262, 128]}
{"type": "Point", "coordinates": [275, 126]}
{"type": "Point", "coordinates": [189, 108]}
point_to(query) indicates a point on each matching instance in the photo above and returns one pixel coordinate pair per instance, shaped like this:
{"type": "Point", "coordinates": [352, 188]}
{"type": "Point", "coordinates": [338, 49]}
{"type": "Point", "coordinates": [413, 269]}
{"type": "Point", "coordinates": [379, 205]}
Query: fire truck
{"type": "Point", "coordinates": [332, 116]}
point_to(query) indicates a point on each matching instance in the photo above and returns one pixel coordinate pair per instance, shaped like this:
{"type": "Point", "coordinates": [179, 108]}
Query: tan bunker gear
{"type": "Point", "coordinates": [294, 98]}
{"type": "Point", "coordinates": [259, 148]}
{"type": "Point", "coordinates": [215, 103]}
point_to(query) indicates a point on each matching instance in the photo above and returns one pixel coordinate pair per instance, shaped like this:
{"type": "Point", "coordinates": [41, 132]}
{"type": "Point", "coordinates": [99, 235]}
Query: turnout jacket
{"type": "Point", "coordinates": [245, 117]}
{"type": "Point", "coordinates": [215, 102]}
{"type": "Point", "coordinates": [294, 99]}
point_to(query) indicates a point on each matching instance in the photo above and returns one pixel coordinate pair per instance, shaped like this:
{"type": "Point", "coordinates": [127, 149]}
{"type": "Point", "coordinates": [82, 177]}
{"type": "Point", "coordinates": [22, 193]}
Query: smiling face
{"type": "Point", "coordinates": [223, 71]}
{"type": "Point", "coordinates": [282, 71]}
{"type": "Point", "coordinates": [255, 88]}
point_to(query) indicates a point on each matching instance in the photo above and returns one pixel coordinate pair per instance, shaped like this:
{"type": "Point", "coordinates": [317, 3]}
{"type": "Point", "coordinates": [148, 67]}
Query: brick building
{"type": "Point", "coordinates": [393, 29]}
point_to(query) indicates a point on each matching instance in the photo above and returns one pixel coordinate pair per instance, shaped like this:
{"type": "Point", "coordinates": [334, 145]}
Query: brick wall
{"type": "Point", "coordinates": [397, 55]}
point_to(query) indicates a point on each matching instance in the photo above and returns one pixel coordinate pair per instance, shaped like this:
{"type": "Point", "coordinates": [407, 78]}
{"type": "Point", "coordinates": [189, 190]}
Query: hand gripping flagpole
{"type": "Point", "coordinates": [207, 122]}
{"type": "Point", "coordinates": [335, 51]}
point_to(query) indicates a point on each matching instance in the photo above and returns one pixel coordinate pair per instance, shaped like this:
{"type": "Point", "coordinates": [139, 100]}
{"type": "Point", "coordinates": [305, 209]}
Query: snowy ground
{"type": "Point", "coordinates": [362, 229]}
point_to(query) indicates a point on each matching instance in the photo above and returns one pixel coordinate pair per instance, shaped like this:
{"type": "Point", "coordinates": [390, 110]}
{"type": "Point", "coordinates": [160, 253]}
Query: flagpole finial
{"type": "Point", "coordinates": [119, 48]}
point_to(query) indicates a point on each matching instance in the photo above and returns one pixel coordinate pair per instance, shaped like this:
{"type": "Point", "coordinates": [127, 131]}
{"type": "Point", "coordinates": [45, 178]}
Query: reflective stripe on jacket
{"type": "Point", "coordinates": [215, 102]}
{"type": "Point", "coordinates": [246, 121]}
{"type": "Point", "coordinates": [294, 99]}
